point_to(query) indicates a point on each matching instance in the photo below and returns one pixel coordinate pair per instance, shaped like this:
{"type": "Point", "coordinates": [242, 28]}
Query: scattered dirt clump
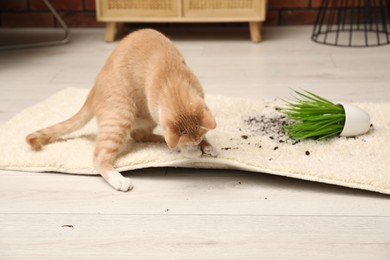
{"type": "Point", "coordinates": [270, 126]}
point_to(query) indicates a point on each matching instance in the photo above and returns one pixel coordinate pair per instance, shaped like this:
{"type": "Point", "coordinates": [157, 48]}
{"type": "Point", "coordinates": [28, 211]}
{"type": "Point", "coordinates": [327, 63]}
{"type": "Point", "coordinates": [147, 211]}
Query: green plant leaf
{"type": "Point", "coordinates": [314, 117]}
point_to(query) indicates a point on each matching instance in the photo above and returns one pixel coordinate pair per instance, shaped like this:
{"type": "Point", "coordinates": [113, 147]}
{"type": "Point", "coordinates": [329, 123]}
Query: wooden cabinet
{"type": "Point", "coordinates": [117, 12]}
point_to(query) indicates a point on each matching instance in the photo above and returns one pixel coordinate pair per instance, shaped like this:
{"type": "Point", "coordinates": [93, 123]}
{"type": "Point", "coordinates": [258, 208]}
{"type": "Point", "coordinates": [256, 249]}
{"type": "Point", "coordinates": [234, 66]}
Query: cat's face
{"type": "Point", "coordinates": [188, 130]}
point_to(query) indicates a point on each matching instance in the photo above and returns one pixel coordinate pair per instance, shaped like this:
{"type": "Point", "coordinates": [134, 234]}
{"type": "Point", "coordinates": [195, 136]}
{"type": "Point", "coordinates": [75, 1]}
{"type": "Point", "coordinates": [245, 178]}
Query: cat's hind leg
{"type": "Point", "coordinates": [114, 132]}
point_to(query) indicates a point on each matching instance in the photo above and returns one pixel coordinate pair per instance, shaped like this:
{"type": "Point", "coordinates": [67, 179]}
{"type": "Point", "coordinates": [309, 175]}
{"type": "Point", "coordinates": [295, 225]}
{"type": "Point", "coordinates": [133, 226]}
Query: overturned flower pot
{"type": "Point", "coordinates": [318, 118]}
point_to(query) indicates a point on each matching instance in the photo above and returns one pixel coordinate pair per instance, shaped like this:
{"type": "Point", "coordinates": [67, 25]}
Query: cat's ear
{"type": "Point", "coordinates": [171, 137]}
{"type": "Point", "coordinates": [208, 121]}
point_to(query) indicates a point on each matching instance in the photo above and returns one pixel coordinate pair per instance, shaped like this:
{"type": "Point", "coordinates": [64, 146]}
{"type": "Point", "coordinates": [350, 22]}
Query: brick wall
{"type": "Point", "coordinates": [81, 13]}
{"type": "Point", "coordinates": [34, 13]}
{"type": "Point", "coordinates": [292, 12]}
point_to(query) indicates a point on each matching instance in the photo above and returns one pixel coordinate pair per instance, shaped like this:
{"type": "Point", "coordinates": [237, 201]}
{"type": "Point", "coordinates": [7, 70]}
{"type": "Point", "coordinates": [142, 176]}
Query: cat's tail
{"type": "Point", "coordinates": [49, 134]}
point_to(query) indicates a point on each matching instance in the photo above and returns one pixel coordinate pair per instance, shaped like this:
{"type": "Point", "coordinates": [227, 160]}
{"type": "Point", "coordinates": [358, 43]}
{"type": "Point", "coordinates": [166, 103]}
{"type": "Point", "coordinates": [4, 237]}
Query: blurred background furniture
{"type": "Point", "coordinates": [352, 23]}
{"type": "Point", "coordinates": [48, 42]}
{"type": "Point", "coordinates": [117, 12]}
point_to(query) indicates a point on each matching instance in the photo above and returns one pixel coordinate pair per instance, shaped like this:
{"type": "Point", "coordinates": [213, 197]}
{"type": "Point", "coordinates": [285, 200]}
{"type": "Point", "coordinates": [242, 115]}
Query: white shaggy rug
{"type": "Point", "coordinates": [248, 138]}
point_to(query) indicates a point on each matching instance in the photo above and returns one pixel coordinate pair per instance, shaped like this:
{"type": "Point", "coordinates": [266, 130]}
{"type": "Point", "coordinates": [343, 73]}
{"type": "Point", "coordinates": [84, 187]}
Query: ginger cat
{"type": "Point", "coordinates": [144, 83]}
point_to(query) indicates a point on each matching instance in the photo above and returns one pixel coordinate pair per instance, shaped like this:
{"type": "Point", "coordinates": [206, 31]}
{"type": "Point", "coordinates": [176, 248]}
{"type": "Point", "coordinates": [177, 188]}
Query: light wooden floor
{"type": "Point", "coordinates": [195, 214]}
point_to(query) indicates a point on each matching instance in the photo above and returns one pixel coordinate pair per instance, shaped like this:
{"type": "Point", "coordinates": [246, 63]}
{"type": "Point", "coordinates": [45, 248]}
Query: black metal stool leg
{"type": "Point", "coordinates": [64, 27]}
{"type": "Point", "coordinates": [352, 23]}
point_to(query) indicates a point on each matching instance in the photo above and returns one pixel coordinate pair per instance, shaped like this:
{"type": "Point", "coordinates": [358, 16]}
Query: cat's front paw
{"type": "Point", "coordinates": [118, 182]}
{"type": "Point", "coordinates": [209, 150]}
{"type": "Point", "coordinates": [191, 151]}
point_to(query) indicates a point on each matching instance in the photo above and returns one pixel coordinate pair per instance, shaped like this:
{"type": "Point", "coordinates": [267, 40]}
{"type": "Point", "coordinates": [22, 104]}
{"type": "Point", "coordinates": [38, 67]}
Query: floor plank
{"type": "Point", "coordinates": [46, 236]}
{"type": "Point", "coordinates": [185, 191]}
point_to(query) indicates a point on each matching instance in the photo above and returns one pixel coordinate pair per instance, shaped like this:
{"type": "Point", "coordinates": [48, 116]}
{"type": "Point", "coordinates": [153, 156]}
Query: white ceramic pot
{"type": "Point", "coordinates": [357, 121]}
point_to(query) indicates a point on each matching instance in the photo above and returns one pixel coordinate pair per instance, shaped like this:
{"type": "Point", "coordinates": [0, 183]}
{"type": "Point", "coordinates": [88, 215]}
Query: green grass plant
{"type": "Point", "coordinates": [314, 117]}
